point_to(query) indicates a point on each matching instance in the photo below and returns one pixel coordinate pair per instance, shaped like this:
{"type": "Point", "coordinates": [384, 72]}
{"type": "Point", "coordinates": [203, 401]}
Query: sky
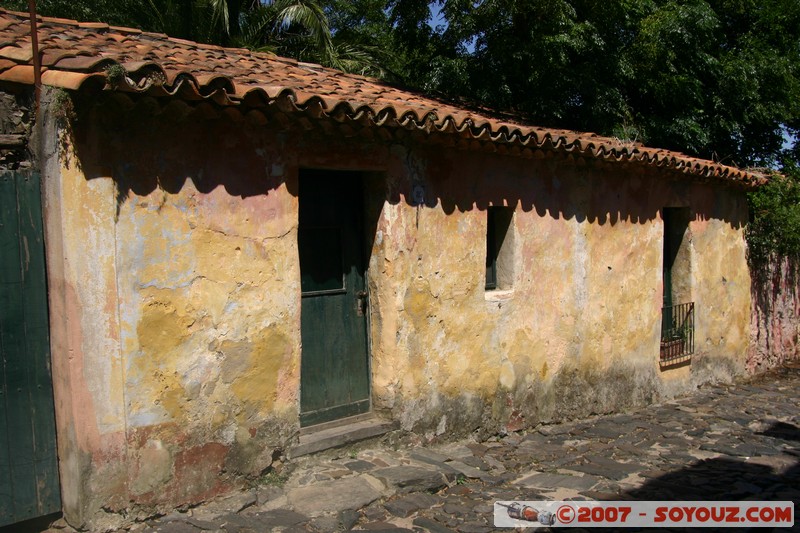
{"type": "Point", "coordinates": [436, 17]}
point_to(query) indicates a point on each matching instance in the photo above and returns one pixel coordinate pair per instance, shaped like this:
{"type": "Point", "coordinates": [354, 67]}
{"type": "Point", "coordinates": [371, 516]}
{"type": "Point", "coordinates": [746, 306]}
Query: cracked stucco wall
{"type": "Point", "coordinates": [175, 279]}
{"type": "Point", "coordinates": [775, 328]}
{"type": "Point", "coordinates": [175, 290]}
{"type": "Point", "coordinates": [579, 331]}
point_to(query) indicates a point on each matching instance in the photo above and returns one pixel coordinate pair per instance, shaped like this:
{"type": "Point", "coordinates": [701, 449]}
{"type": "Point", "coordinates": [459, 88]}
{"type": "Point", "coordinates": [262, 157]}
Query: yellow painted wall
{"type": "Point", "coordinates": [579, 332]}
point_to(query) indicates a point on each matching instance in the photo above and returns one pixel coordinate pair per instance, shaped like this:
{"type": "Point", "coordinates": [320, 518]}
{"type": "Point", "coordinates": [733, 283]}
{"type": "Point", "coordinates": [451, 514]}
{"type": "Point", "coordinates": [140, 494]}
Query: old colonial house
{"type": "Point", "coordinates": [209, 254]}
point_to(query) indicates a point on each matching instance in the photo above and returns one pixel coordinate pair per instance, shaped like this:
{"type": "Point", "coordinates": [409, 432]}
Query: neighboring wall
{"type": "Point", "coordinates": [175, 293]}
{"type": "Point", "coordinates": [775, 318]}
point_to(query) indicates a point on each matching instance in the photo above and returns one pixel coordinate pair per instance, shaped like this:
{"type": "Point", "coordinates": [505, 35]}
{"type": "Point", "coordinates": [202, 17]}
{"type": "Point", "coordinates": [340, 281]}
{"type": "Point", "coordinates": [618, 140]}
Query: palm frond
{"type": "Point", "coordinates": [257, 25]}
{"type": "Point", "coordinates": [157, 14]}
{"type": "Point", "coordinates": [359, 59]}
{"type": "Point", "coordinates": [220, 14]}
{"type": "Point", "coordinates": [308, 15]}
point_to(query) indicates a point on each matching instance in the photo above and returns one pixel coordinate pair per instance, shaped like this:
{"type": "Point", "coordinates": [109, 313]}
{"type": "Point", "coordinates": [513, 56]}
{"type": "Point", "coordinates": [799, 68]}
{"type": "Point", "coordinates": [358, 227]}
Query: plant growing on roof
{"type": "Point", "coordinates": [62, 106]}
{"type": "Point", "coordinates": [115, 74]}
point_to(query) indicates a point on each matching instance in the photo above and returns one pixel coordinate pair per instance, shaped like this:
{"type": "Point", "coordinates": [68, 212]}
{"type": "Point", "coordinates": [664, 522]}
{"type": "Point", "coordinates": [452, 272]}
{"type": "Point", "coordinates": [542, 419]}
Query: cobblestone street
{"type": "Point", "coordinates": [724, 442]}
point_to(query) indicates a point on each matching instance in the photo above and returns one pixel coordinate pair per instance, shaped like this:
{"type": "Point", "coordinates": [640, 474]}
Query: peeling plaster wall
{"type": "Point", "coordinates": [775, 328]}
{"type": "Point", "coordinates": [175, 291]}
{"type": "Point", "coordinates": [208, 312]}
{"type": "Point", "coordinates": [87, 364]}
{"type": "Point", "coordinates": [175, 279]}
{"type": "Point", "coordinates": [579, 333]}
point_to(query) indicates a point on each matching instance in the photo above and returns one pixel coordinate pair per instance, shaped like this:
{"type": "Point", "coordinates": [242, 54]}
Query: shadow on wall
{"type": "Point", "coordinates": [560, 188]}
{"type": "Point", "coordinates": [145, 144]}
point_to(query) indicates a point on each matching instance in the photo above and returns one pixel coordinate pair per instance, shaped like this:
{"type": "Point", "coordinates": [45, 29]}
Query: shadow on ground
{"type": "Point", "coordinates": [722, 479]}
{"type": "Point", "coordinates": [782, 431]}
{"type": "Point", "coordinates": [734, 478]}
{"type": "Point", "coordinates": [34, 525]}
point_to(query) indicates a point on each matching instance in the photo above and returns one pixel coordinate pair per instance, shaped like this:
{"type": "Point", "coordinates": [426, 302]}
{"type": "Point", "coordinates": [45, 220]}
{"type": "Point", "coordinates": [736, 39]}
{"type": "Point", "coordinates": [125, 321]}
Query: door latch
{"type": "Point", "coordinates": [361, 303]}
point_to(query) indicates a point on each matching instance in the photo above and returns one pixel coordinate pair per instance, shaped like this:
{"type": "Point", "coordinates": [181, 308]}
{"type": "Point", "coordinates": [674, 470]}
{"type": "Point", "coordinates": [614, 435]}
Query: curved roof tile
{"type": "Point", "coordinates": [156, 64]}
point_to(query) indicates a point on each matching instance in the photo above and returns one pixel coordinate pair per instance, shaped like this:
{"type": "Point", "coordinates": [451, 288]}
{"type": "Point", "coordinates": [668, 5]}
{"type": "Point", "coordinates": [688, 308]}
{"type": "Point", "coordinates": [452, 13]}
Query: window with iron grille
{"type": "Point", "coordinates": [677, 314]}
{"type": "Point", "coordinates": [677, 332]}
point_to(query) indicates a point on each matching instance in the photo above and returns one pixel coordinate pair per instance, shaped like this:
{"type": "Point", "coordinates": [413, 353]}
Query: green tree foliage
{"type": "Point", "coordinates": [718, 79]}
{"type": "Point", "coordinates": [774, 228]}
{"type": "Point", "coordinates": [116, 12]}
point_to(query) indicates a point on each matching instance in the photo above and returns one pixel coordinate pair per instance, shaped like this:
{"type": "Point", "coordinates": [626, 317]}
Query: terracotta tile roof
{"type": "Point", "coordinates": [74, 54]}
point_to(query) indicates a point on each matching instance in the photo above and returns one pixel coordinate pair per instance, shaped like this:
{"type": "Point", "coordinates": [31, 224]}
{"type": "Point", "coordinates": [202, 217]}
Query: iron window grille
{"type": "Point", "coordinates": [677, 333]}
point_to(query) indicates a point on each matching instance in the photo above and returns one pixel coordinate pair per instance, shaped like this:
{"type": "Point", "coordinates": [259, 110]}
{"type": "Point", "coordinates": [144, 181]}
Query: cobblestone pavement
{"type": "Point", "coordinates": [724, 442]}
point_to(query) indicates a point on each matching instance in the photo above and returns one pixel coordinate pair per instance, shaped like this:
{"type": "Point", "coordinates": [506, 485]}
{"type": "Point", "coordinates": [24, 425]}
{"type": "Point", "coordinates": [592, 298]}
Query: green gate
{"type": "Point", "coordinates": [29, 485]}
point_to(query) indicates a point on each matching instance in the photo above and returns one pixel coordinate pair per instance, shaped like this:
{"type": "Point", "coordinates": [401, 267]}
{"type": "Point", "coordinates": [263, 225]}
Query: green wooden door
{"type": "Point", "coordinates": [334, 370]}
{"type": "Point", "coordinates": [29, 485]}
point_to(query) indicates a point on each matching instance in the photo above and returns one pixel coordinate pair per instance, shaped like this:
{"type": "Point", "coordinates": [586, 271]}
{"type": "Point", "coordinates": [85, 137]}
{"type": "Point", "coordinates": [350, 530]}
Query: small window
{"type": "Point", "coordinates": [499, 248]}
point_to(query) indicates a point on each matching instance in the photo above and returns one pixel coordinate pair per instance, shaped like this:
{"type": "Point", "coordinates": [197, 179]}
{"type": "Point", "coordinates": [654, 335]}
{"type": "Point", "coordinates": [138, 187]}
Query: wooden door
{"type": "Point", "coordinates": [335, 368]}
{"type": "Point", "coordinates": [29, 485]}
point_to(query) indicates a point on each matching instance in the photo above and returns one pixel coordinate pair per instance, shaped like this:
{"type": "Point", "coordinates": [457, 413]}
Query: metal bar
{"type": "Point", "coordinates": [37, 67]}
{"type": "Point", "coordinates": [677, 331]}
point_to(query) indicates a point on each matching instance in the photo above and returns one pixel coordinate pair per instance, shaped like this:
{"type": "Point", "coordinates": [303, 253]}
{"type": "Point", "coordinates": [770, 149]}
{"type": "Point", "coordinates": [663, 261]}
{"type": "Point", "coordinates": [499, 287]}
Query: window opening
{"type": "Point", "coordinates": [499, 248]}
{"type": "Point", "coordinates": [677, 314]}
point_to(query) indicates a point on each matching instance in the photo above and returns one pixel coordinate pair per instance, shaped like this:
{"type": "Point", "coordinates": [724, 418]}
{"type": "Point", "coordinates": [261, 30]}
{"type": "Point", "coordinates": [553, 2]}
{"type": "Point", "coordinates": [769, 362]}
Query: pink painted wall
{"type": "Point", "coordinates": [775, 316]}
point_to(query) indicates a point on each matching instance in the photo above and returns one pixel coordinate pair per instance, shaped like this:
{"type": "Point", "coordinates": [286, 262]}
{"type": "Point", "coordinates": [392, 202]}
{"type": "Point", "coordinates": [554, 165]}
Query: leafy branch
{"type": "Point", "coordinates": [774, 228]}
